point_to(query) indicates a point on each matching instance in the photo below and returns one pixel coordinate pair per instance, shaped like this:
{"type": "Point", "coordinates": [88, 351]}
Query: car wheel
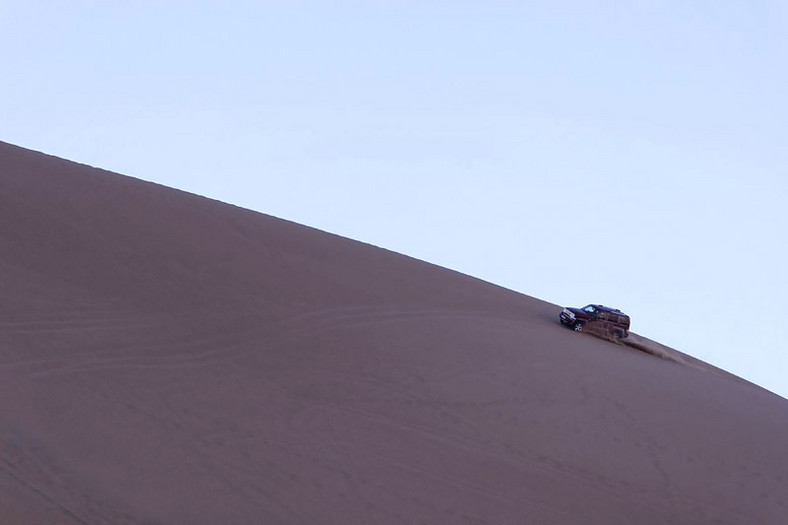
{"type": "Point", "coordinates": [578, 327]}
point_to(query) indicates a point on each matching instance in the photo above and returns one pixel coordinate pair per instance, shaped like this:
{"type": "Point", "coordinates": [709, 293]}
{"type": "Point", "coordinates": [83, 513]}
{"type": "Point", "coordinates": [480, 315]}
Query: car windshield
{"type": "Point", "coordinates": [590, 309]}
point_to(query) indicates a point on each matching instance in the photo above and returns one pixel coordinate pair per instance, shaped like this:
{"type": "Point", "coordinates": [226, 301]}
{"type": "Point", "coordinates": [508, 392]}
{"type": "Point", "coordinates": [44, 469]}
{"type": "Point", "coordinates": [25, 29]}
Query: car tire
{"type": "Point", "coordinates": [578, 327]}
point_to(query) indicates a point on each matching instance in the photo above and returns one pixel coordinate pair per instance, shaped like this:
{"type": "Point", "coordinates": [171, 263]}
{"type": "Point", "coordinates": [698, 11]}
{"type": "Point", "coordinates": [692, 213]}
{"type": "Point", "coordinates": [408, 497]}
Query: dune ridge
{"type": "Point", "coordinates": [167, 358]}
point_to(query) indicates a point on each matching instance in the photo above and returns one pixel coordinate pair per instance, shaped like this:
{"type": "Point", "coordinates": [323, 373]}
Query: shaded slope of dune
{"type": "Point", "coordinates": [166, 358]}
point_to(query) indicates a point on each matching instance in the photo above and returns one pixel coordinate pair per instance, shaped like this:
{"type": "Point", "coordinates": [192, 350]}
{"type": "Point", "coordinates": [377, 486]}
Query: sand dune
{"type": "Point", "coordinates": [166, 358]}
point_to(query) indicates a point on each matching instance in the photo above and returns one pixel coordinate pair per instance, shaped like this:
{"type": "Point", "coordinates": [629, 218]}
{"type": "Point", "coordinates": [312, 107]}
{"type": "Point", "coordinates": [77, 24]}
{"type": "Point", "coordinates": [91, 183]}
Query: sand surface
{"type": "Point", "coordinates": [166, 358]}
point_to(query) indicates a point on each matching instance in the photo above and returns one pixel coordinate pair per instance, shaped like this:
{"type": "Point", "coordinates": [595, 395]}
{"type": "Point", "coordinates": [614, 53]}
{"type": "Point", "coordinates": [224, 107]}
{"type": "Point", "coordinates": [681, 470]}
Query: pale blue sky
{"type": "Point", "coordinates": [631, 153]}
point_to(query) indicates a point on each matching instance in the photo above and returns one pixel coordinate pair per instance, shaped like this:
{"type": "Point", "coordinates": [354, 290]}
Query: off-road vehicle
{"type": "Point", "coordinates": [609, 320]}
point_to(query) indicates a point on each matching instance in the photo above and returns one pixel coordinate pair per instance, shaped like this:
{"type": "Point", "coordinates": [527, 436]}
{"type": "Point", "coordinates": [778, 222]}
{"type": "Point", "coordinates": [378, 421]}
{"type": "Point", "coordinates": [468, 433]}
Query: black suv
{"type": "Point", "coordinates": [610, 320]}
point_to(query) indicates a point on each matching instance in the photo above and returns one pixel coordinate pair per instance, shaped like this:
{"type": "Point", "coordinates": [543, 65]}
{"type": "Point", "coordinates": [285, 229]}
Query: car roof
{"type": "Point", "coordinates": [608, 309]}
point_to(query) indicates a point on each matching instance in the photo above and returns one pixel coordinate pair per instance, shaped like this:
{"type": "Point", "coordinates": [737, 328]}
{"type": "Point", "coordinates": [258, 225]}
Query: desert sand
{"type": "Point", "coordinates": [170, 359]}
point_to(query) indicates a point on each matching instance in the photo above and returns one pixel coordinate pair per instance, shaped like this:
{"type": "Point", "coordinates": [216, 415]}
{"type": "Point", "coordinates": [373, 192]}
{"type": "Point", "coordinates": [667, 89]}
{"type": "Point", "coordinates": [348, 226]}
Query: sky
{"type": "Point", "coordinates": [629, 153]}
